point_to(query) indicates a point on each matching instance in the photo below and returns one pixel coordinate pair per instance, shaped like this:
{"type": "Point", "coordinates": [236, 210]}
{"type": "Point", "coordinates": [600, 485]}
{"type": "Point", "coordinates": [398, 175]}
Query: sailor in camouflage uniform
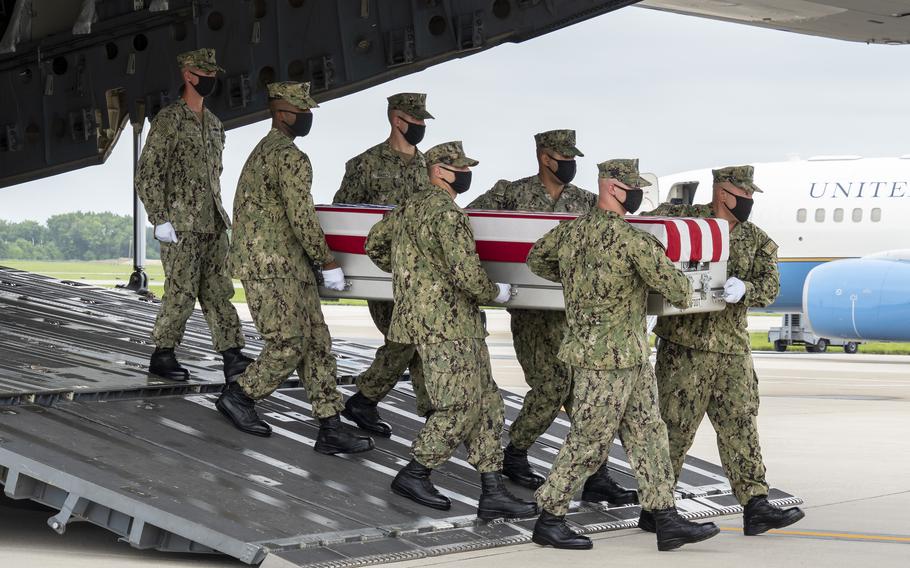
{"type": "Point", "coordinates": [276, 241]}
{"type": "Point", "coordinates": [537, 334]}
{"type": "Point", "coordinates": [178, 181]}
{"type": "Point", "coordinates": [704, 360]}
{"type": "Point", "coordinates": [387, 174]}
{"type": "Point", "coordinates": [607, 268]}
{"type": "Point", "coordinates": [428, 246]}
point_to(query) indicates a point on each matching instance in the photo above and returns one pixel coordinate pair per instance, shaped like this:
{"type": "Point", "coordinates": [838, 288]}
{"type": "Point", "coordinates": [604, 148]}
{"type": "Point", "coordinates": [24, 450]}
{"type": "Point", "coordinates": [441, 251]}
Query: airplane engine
{"type": "Point", "coordinates": [864, 298]}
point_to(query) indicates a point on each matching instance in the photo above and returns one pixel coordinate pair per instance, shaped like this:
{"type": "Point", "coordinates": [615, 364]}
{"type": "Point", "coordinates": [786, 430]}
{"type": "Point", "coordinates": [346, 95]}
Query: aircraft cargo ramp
{"type": "Point", "coordinates": [85, 431]}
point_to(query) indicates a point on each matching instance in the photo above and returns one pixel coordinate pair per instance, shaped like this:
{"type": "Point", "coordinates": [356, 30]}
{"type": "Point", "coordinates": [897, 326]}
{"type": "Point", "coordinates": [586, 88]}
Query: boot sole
{"type": "Point", "coordinates": [406, 494]}
{"type": "Point", "coordinates": [490, 514]}
{"type": "Point", "coordinates": [755, 531]}
{"type": "Point", "coordinates": [675, 543]}
{"type": "Point", "coordinates": [231, 420]}
{"type": "Point", "coordinates": [596, 498]}
{"type": "Point", "coordinates": [182, 377]}
{"type": "Point", "coordinates": [544, 542]}
{"type": "Point", "coordinates": [381, 433]}
{"type": "Point", "coordinates": [522, 483]}
{"type": "Point", "coordinates": [331, 450]}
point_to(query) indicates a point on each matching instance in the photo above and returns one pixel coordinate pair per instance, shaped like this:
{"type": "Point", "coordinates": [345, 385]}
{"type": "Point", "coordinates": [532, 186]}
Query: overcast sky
{"type": "Point", "coordinates": [678, 92]}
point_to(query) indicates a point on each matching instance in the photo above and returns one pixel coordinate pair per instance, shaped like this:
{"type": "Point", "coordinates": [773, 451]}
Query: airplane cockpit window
{"type": "Point", "coordinates": [819, 215]}
{"type": "Point", "coordinates": [801, 216]}
{"type": "Point", "coordinates": [876, 215]}
{"type": "Point", "coordinates": [857, 215]}
{"type": "Point", "coordinates": [838, 215]}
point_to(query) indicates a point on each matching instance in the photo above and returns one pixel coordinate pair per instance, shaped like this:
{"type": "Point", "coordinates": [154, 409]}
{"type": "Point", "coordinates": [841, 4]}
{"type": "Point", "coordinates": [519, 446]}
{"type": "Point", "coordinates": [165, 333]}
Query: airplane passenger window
{"type": "Point", "coordinates": [876, 215]}
{"type": "Point", "coordinates": [857, 215]}
{"type": "Point", "coordinates": [838, 215]}
{"type": "Point", "coordinates": [819, 215]}
{"type": "Point", "coordinates": [801, 216]}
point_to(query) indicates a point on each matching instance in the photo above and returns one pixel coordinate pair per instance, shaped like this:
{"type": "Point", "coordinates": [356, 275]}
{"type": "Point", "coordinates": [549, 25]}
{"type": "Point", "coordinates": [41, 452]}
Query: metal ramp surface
{"type": "Point", "coordinates": [68, 340]}
{"type": "Point", "coordinates": [91, 436]}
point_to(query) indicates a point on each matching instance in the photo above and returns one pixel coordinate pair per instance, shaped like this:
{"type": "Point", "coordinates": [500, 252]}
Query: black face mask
{"type": "Point", "coordinates": [633, 200]}
{"type": "Point", "coordinates": [462, 181]}
{"type": "Point", "coordinates": [414, 133]}
{"type": "Point", "coordinates": [565, 171]}
{"type": "Point", "coordinates": [302, 125]}
{"type": "Point", "coordinates": [206, 85]}
{"type": "Point", "coordinates": [742, 209]}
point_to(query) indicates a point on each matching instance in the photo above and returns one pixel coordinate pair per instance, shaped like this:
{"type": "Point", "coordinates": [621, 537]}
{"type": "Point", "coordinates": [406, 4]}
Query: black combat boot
{"type": "Point", "coordinates": [646, 521]}
{"type": "Point", "coordinates": [240, 409]}
{"type": "Point", "coordinates": [364, 412]}
{"type": "Point", "coordinates": [515, 466]}
{"type": "Point", "coordinates": [235, 362]}
{"type": "Point", "coordinates": [674, 531]}
{"type": "Point", "coordinates": [164, 364]}
{"type": "Point", "coordinates": [760, 516]}
{"type": "Point", "coordinates": [335, 438]}
{"type": "Point", "coordinates": [413, 482]}
{"type": "Point", "coordinates": [601, 487]}
{"type": "Point", "coordinates": [496, 501]}
{"type": "Point", "coordinates": [550, 530]}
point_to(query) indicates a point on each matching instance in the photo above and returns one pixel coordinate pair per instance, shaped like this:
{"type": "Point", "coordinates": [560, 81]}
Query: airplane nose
{"type": "Point", "coordinates": [859, 299]}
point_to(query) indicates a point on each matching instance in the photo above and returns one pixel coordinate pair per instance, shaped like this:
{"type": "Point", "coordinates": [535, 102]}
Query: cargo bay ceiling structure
{"type": "Point", "coordinates": [74, 73]}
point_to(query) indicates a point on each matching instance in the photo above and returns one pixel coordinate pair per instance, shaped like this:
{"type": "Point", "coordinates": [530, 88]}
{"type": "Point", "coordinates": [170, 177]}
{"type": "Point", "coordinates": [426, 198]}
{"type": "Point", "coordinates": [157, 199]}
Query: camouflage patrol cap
{"type": "Point", "coordinates": [413, 104]}
{"type": "Point", "coordinates": [450, 154]}
{"type": "Point", "coordinates": [624, 170]}
{"type": "Point", "coordinates": [740, 176]}
{"type": "Point", "coordinates": [202, 59]}
{"type": "Point", "coordinates": [563, 141]}
{"type": "Point", "coordinates": [298, 94]}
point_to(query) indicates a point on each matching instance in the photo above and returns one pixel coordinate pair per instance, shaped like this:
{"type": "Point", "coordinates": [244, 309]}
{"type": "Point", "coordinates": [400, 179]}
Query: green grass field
{"type": "Point", "coordinates": [114, 272]}
{"type": "Point", "coordinates": [110, 273]}
{"type": "Point", "coordinates": [84, 270]}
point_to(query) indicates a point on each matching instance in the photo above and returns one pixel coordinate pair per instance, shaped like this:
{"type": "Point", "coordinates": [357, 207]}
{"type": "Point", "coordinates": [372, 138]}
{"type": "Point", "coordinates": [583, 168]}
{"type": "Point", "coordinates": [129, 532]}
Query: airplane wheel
{"type": "Point", "coordinates": [780, 346]}
{"type": "Point", "coordinates": [851, 347]}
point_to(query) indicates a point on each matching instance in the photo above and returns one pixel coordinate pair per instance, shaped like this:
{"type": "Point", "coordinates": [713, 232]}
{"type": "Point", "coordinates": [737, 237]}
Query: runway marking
{"type": "Point", "coordinates": [832, 535]}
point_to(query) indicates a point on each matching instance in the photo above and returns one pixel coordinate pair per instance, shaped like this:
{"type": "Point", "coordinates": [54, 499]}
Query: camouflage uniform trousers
{"type": "Point", "coordinates": [288, 315]}
{"type": "Point", "coordinates": [607, 401]}
{"type": "Point", "coordinates": [692, 383]}
{"type": "Point", "coordinates": [467, 406]}
{"type": "Point", "coordinates": [196, 267]}
{"type": "Point", "coordinates": [537, 335]}
{"type": "Point", "coordinates": [391, 360]}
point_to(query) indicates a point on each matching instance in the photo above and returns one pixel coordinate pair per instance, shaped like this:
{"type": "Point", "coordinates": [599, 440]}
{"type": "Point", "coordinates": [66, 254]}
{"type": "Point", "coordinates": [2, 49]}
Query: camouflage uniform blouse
{"type": "Point", "coordinates": [276, 232]}
{"type": "Point", "coordinates": [178, 177]}
{"type": "Point", "coordinates": [380, 176]}
{"type": "Point", "coordinates": [606, 268]}
{"type": "Point", "coordinates": [529, 194]}
{"type": "Point", "coordinates": [428, 246]}
{"type": "Point", "coordinates": [753, 259]}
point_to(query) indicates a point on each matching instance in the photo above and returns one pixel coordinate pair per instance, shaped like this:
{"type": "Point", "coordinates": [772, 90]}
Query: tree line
{"type": "Point", "coordinates": [73, 236]}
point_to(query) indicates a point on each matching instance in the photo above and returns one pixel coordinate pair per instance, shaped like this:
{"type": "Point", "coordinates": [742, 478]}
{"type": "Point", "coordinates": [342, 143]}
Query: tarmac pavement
{"type": "Point", "coordinates": [834, 431]}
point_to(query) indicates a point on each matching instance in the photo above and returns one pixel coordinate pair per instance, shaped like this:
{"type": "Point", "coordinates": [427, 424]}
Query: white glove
{"type": "Point", "coordinates": [734, 290]}
{"type": "Point", "coordinates": [333, 279]}
{"type": "Point", "coordinates": [505, 293]}
{"type": "Point", "coordinates": [166, 233]}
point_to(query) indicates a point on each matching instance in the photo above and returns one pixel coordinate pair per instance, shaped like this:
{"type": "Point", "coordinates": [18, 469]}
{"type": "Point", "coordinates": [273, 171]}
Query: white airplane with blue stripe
{"type": "Point", "coordinates": [843, 227]}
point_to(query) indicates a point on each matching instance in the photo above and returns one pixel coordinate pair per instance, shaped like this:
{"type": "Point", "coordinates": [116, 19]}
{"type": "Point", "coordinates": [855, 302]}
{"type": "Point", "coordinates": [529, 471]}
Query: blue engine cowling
{"type": "Point", "coordinates": [863, 298]}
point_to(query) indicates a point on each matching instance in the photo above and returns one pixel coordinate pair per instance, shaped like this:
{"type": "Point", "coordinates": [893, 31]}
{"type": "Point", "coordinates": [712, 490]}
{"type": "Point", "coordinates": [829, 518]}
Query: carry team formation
{"type": "Point", "coordinates": [591, 359]}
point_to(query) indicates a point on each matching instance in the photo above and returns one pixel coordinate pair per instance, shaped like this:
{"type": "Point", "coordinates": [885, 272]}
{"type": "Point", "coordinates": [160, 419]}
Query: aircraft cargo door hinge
{"type": "Point", "coordinates": [469, 31]}
{"type": "Point", "coordinates": [82, 124]}
{"type": "Point", "coordinates": [74, 505]}
{"type": "Point", "coordinates": [239, 91]}
{"type": "Point", "coordinates": [399, 47]}
{"type": "Point", "coordinates": [321, 73]}
{"type": "Point", "coordinates": [10, 141]}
